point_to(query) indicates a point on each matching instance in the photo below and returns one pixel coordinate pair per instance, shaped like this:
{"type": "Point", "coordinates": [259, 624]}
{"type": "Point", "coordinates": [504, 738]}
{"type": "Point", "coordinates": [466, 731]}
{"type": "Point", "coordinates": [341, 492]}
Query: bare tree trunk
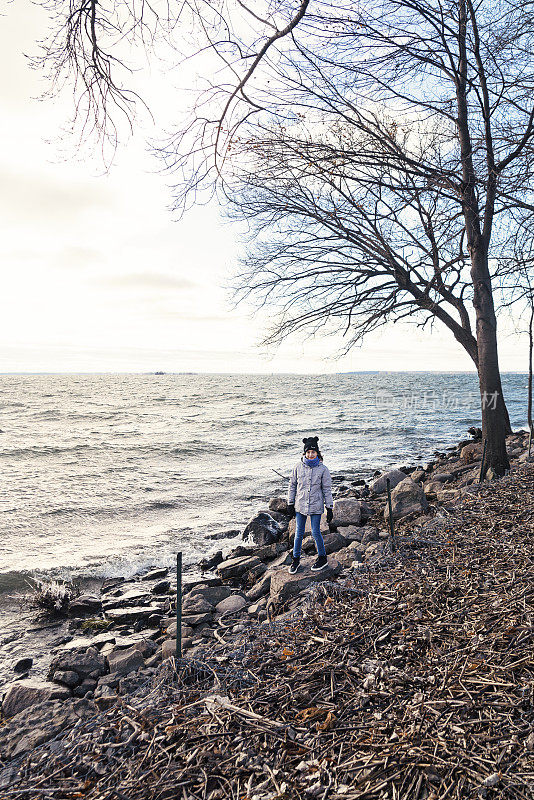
{"type": "Point", "coordinates": [495, 419]}
{"type": "Point", "coordinates": [530, 350]}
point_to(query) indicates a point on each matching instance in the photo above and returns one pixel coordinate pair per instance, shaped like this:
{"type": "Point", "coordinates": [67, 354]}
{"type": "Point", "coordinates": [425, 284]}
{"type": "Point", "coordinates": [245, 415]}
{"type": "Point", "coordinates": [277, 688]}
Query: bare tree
{"type": "Point", "coordinates": [399, 132]}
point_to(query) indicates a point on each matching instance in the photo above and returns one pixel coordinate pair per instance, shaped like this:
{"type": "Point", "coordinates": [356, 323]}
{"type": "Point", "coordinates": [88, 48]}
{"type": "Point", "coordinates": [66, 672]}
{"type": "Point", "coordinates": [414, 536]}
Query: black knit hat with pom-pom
{"type": "Point", "coordinates": [311, 443]}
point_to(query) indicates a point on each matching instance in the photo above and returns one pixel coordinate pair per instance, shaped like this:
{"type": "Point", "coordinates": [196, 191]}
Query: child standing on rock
{"type": "Point", "coordinates": [310, 489]}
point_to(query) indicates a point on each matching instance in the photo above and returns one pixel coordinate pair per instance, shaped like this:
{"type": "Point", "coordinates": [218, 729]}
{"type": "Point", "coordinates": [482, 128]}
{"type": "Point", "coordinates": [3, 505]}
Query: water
{"type": "Point", "coordinates": [106, 474]}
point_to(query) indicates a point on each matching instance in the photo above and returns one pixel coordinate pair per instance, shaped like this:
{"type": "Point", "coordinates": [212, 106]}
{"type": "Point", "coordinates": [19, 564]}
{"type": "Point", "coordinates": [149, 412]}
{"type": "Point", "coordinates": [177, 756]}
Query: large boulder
{"type": "Point", "coordinates": [407, 498]}
{"type": "Point", "coordinates": [379, 484]}
{"type": "Point", "coordinates": [82, 661]}
{"type": "Point", "coordinates": [262, 529]}
{"type": "Point", "coordinates": [28, 692]}
{"type": "Point", "coordinates": [284, 586]}
{"type": "Point", "coordinates": [213, 594]}
{"type": "Point", "coordinates": [347, 511]}
{"type": "Point", "coordinates": [122, 662]}
{"type": "Point", "coordinates": [236, 567]}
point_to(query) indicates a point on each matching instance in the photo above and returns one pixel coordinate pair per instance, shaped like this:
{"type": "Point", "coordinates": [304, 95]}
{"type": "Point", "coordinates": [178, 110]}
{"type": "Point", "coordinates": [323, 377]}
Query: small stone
{"type": "Point", "coordinates": [67, 678]}
{"type": "Point", "coordinates": [23, 665]}
{"type": "Point", "coordinates": [162, 587]}
{"type": "Point", "coordinates": [231, 605]}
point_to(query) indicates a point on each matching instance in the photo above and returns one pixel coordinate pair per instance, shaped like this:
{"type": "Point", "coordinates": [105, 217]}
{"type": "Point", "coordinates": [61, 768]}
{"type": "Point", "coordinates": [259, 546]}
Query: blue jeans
{"type": "Point", "coordinates": [316, 533]}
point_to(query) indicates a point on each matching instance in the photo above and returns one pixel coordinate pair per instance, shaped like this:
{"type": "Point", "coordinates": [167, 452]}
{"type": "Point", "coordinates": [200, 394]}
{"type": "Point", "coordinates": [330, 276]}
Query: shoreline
{"type": "Point", "coordinates": [60, 628]}
{"type": "Point", "coordinates": [235, 604]}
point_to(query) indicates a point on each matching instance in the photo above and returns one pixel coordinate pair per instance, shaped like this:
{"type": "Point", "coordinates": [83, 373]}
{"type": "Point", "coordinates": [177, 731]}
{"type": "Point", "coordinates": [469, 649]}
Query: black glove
{"type": "Point", "coordinates": [329, 515]}
{"type": "Point", "coordinates": [291, 510]}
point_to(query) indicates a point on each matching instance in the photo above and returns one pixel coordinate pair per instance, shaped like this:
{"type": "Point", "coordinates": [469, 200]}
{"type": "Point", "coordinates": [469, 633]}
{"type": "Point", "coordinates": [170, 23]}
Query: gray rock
{"type": "Point", "coordinates": [278, 504]}
{"type": "Point", "coordinates": [212, 562]}
{"type": "Point", "coordinates": [23, 665]}
{"type": "Point", "coordinates": [161, 587]}
{"type": "Point", "coordinates": [87, 685]}
{"type": "Point", "coordinates": [168, 649]}
{"type": "Point", "coordinates": [110, 681]}
{"type": "Point", "coordinates": [235, 567]}
{"type": "Point", "coordinates": [197, 619]}
{"type": "Point", "coordinates": [28, 692]}
{"type": "Point", "coordinates": [131, 615]}
{"type": "Point", "coordinates": [442, 477]}
{"type": "Point", "coordinates": [85, 604]}
{"type": "Point", "coordinates": [270, 551]}
{"type": "Point", "coordinates": [347, 512]}
{"type": "Point", "coordinates": [379, 484]}
{"type": "Point", "coordinates": [333, 542]}
{"type": "Point", "coordinates": [407, 498]}
{"type": "Point", "coordinates": [170, 630]}
{"type": "Point", "coordinates": [125, 661]}
{"type": "Point", "coordinates": [196, 604]}
{"type": "Point", "coordinates": [131, 597]}
{"type": "Point", "coordinates": [231, 605]}
{"type": "Point", "coordinates": [67, 678]}
{"type": "Point", "coordinates": [155, 574]}
{"type": "Point", "coordinates": [213, 594]}
{"type": "Point", "coordinates": [255, 608]}
{"type": "Point", "coordinates": [418, 475]}
{"type": "Point", "coordinates": [431, 488]}
{"type": "Point", "coordinates": [353, 533]}
{"type": "Point", "coordinates": [370, 534]}
{"type": "Point", "coordinates": [471, 452]}
{"type": "Point", "coordinates": [111, 583]}
{"type": "Point", "coordinates": [223, 535]}
{"type": "Point", "coordinates": [260, 588]}
{"type": "Point", "coordinates": [24, 732]}
{"type": "Point", "coordinates": [262, 529]}
{"type": "Point", "coordinates": [285, 586]}
{"type": "Point", "coordinates": [83, 662]}
{"type": "Point", "coordinates": [366, 512]}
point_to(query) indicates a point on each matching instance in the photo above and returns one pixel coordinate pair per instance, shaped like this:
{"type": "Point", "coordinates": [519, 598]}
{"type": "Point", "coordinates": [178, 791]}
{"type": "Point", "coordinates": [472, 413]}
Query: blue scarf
{"type": "Point", "coordinates": [312, 462]}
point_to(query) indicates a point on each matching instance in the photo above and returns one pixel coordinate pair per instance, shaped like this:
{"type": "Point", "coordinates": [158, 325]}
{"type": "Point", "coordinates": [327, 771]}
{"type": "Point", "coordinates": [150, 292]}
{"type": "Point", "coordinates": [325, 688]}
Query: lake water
{"type": "Point", "coordinates": [106, 474]}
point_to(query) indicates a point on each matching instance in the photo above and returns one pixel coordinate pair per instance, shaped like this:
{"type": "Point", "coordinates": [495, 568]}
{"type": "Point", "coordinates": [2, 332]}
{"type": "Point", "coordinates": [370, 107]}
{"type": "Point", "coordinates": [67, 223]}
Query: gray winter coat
{"type": "Point", "coordinates": [310, 488]}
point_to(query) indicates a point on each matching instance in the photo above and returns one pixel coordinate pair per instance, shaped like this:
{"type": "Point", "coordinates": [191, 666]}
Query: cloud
{"type": "Point", "coordinates": [44, 197]}
{"type": "Point", "coordinates": [78, 257]}
{"type": "Point", "coordinates": [146, 280]}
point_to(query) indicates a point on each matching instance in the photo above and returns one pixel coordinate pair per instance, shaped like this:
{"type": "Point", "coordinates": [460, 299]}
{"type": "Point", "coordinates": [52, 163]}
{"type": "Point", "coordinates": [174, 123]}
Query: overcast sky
{"type": "Point", "coordinates": [96, 275]}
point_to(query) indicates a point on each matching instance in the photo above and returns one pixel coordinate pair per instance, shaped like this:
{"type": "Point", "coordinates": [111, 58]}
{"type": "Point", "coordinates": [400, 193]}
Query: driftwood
{"type": "Point", "coordinates": [410, 680]}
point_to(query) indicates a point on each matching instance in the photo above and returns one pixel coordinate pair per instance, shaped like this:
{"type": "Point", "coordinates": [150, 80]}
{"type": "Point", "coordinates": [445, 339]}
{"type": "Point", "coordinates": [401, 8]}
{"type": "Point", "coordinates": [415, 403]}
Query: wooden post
{"type": "Point", "coordinates": [391, 524]}
{"type": "Point", "coordinates": [178, 605]}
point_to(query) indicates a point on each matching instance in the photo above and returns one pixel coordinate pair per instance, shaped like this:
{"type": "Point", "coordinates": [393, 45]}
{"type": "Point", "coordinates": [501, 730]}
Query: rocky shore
{"type": "Point", "coordinates": [248, 627]}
